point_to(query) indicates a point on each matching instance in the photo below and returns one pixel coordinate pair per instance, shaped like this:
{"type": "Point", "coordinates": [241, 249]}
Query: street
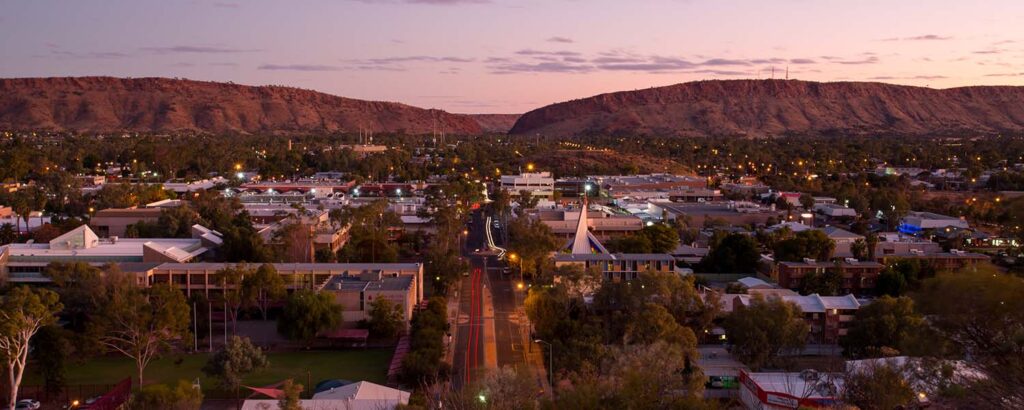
{"type": "Point", "coordinates": [492, 330]}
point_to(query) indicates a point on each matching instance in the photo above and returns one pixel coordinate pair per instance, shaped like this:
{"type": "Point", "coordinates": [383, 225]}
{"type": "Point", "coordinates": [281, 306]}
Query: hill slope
{"type": "Point", "coordinates": [499, 123]}
{"type": "Point", "coordinates": [783, 107]}
{"type": "Point", "coordinates": [105, 104]}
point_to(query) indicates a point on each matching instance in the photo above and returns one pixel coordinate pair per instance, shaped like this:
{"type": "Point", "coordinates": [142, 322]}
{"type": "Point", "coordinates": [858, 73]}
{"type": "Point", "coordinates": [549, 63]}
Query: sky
{"type": "Point", "coordinates": [511, 56]}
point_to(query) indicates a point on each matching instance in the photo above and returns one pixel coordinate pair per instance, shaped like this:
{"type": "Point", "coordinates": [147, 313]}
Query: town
{"type": "Point", "coordinates": [389, 271]}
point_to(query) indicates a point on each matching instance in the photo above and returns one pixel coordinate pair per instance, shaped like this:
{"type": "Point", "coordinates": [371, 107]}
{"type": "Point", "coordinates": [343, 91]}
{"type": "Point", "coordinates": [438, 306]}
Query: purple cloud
{"type": "Point", "coordinates": [557, 39]}
{"type": "Point", "coordinates": [298, 67]}
{"type": "Point", "coordinates": [197, 50]}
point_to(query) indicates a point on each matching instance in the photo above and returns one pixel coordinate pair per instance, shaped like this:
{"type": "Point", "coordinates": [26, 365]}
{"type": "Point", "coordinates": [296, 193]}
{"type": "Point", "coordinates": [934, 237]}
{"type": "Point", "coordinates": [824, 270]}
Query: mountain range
{"type": "Point", "coordinates": [107, 104]}
{"type": "Point", "coordinates": [744, 108]}
{"type": "Point", "coordinates": [757, 108]}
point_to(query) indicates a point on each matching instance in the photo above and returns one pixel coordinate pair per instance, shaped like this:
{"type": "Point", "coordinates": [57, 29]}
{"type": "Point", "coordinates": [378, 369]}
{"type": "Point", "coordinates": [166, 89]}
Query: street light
{"type": "Point", "coordinates": [551, 350]}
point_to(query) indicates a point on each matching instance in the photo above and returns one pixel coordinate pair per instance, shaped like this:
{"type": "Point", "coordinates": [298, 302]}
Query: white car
{"type": "Point", "coordinates": [27, 404]}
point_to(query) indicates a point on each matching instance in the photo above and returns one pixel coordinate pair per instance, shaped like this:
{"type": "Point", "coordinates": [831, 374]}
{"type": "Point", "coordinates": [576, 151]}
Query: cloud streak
{"type": "Point", "coordinates": [298, 67]}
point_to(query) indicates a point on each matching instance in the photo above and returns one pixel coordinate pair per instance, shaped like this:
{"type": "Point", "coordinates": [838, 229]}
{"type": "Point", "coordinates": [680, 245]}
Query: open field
{"type": "Point", "coordinates": [354, 365]}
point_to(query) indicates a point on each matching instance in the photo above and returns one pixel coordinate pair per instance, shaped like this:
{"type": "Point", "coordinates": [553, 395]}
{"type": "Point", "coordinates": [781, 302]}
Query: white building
{"type": "Point", "coordinates": [539, 184]}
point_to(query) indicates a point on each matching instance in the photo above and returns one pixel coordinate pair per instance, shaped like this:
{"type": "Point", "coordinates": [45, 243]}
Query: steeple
{"type": "Point", "coordinates": [584, 242]}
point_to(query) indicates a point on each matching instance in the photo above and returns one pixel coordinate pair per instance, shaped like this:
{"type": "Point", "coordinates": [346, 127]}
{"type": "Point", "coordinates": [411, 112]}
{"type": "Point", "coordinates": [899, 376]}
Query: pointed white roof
{"type": "Point", "coordinates": [583, 241]}
{"type": "Point", "coordinates": [79, 238]}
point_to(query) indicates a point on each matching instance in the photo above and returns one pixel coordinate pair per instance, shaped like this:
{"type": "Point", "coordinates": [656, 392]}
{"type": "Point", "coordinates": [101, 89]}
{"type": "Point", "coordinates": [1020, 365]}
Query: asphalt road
{"type": "Point", "coordinates": [490, 314]}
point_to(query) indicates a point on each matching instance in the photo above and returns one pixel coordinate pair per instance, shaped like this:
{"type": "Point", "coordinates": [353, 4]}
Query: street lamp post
{"type": "Point", "coordinates": [551, 370]}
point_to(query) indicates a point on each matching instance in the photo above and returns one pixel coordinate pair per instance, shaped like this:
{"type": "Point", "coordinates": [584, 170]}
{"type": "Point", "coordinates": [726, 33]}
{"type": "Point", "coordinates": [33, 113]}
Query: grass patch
{"type": "Point", "coordinates": [355, 365]}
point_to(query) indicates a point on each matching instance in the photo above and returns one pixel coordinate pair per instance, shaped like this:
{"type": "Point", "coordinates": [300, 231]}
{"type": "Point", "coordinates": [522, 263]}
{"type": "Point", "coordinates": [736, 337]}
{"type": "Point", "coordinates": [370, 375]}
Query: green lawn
{"type": "Point", "coordinates": [354, 365]}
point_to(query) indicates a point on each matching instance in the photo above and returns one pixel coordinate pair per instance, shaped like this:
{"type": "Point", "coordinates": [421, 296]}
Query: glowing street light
{"type": "Point", "coordinates": [529, 167]}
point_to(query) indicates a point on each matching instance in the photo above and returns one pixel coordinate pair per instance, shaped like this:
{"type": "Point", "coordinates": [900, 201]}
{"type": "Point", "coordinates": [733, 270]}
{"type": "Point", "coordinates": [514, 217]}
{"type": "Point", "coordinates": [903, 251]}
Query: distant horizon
{"type": "Point", "coordinates": [510, 56]}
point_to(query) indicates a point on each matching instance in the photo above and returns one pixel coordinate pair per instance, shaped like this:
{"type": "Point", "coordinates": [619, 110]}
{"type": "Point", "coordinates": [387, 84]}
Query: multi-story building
{"type": "Point", "coordinates": [648, 186]}
{"type": "Point", "coordinates": [538, 184]}
{"type": "Point", "coordinates": [734, 213]}
{"type": "Point", "coordinates": [857, 276]}
{"type": "Point", "coordinates": [828, 316]}
{"type": "Point", "coordinates": [355, 285]}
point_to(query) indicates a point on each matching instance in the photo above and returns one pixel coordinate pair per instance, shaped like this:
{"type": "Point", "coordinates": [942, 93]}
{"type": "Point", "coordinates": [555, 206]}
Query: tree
{"type": "Point", "coordinates": [980, 311]}
{"type": "Point", "coordinates": [7, 234]}
{"type": "Point", "coordinates": [806, 201]}
{"type": "Point", "coordinates": [507, 389]}
{"type": "Point", "coordinates": [653, 322]}
{"type": "Point", "coordinates": [184, 396]}
{"type": "Point", "coordinates": [859, 249]}
{"type": "Point", "coordinates": [22, 313]}
{"type": "Point", "coordinates": [50, 349]}
{"type": "Point", "coordinates": [663, 238]}
{"type": "Point", "coordinates": [141, 324]}
{"type": "Point", "coordinates": [234, 361]}
{"type": "Point", "coordinates": [386, 319]}
{"type": "Point", "coordinates": [762, 330]}
{"type": "Point", "coordinates": [733, 253]}
{"type": "Point", "coordinates": [532, 241]}
{"type": "Point", "coordinates": [263, 287]}
{"type": "Point", "coordinates": [630, 244]}
{"type": "Point", "coordinates": [652, 376]}
{"type": "Point", "coordinates": [308, 313]}
{"type": "Point", "coordinates": [811, 243]}
{"type": "Point", "coordinates": [230, 280]}
{"type": "Point", "coordinates": [826, 283]}
{"type": "Point", "coordinates": [886, 323]}
{"type": "Point", "coordinates": [290, 396]}
{"type": "Point", "coordinates": [878, 386]}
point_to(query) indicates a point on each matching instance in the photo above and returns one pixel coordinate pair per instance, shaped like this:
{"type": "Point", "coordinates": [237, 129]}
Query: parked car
{"type": "Point", "coordinates": [27, 404]}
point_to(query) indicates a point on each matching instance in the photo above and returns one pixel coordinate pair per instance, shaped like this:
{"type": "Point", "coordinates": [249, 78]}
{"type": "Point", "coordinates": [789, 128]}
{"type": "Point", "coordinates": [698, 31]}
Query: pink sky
{"type": "Point", "coordinates": [510, 56]}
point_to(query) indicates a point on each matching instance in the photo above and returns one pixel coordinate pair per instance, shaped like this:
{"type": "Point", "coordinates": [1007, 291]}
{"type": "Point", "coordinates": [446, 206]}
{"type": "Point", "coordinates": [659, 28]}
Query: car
{"type": "Point", "coordinates": [27, 404]}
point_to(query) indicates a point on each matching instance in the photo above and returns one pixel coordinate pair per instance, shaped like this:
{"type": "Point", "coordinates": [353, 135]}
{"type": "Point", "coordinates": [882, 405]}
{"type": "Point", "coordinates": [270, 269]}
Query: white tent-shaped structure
{"type": "Point", "coordinates": [583, 241]}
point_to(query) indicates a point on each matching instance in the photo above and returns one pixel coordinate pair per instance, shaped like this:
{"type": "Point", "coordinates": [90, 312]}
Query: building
{"type": "Point", "coordinates": [355, 285]}
{"type": "Point", "coordinates": [576, 187]}
{"type": "Point", "coordinates": [695, 195]}
{"type": "Point", "coordinates": [835, 211]}
{"type": "Point", "coordinates": [778, 391]}
{"type": "Point", "coordinates": [25, 262]}
{"type": "Point", "coordinates": [538, 184]}
{"type": "Point", "coordinates": [857, 276]}
{"type": "Point", "coordinates": [827, 316]}
{"type": "Point", "coordinates": [354, 396]}
{"type": "Point", "coordinates": [648, 186]}
{"type": "Point", "coordinates": [843, 240]}
{"type": "Point", "coordinates": [355, 292]}
{"type": "Point", "coordinates": [916, 222]}
{"type": "Point", "coordinates": [116, 221]}
{"type": "Point", "coordinates": [726, 212]}
{"type": "Point", "coordinates": [584, 249]}
{"type": "Point", "coordinates": [602, 224]}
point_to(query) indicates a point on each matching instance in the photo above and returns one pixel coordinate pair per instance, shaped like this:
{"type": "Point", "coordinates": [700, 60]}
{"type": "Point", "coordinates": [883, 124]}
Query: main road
{"type": "Point", "coordinates": [491, 328]}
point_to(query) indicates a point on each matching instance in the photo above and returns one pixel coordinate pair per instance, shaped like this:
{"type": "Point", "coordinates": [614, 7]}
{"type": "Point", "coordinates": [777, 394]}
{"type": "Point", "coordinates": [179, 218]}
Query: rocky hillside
{"type": "Point", "coordinates": [783, 107]}
{"type": "Point", "coordinates": [495, 123]}
{"type": "Point", "coordinates": [102, 104]}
